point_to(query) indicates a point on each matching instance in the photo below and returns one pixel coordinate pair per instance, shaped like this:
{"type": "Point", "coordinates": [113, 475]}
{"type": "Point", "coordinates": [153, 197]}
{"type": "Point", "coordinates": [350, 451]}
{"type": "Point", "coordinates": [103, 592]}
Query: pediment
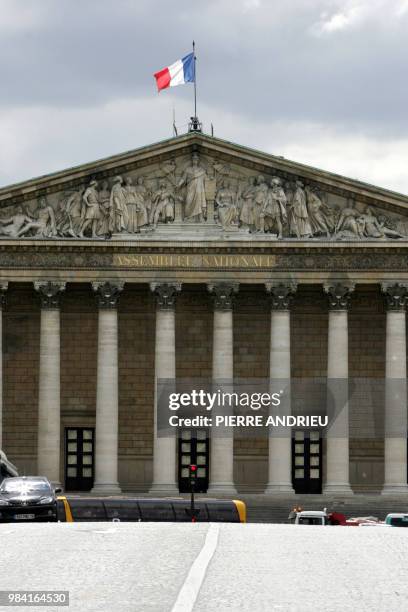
{"type": "Point", "coordinates": [196, 187]}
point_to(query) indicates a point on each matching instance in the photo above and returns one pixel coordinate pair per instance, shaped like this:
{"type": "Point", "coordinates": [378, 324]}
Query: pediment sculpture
{"type": "Point", "coordinates": [204, 191]}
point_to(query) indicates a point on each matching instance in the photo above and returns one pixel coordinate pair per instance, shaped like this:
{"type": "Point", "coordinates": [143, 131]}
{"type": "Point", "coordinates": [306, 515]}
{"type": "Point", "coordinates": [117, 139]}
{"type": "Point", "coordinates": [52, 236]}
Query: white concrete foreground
{"type": "Point", "coordinates": [145, 567]}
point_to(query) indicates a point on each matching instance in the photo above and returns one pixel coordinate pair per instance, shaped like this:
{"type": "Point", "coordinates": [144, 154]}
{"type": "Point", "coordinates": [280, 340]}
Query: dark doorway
{"type": "Point", "coordinates": [79, 458]}
{"type": "Point", "coordinates": [194, 448]}
{"type": "Point", "coordinates": [307, 461]}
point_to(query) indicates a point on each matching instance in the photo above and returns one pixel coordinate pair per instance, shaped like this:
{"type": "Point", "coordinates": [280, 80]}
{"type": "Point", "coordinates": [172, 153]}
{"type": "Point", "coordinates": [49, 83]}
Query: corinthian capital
{"type": "Point", "coordinates": [223, 294]}
{"type": "Point", "coordinates": [339, 295]}
{"type": "Point", "coordinates": [107, 293]}
{"type": "Point", "coordinates": [166, 294]}
{"type": "Point", "coordinates": [281, 294]}
{"type": "Point", "coordinates": [50, 293]}
{"type": "Point", "coordinates": [396, 295]}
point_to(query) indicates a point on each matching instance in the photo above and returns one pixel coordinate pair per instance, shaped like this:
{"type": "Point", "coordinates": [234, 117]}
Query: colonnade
{"type": "Point", "coordinates": [221, 460]}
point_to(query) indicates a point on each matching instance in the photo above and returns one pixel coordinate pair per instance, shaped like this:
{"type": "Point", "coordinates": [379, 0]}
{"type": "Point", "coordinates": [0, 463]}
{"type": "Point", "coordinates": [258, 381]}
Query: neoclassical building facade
{"type": "Point", "coordinates": [199, 258]}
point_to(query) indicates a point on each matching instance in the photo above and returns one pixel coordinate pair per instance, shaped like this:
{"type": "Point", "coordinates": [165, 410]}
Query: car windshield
{"type": "Point", "coordinates": [310, 520]}
{"type": "Point", "coordinates": [399, 521]}
{"type": "Point", "coordinates": [27, 486]}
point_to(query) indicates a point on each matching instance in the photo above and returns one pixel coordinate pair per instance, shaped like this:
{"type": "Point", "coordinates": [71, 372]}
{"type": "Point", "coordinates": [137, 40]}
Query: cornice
{"type": "Point", "coordinates": [227, 246]}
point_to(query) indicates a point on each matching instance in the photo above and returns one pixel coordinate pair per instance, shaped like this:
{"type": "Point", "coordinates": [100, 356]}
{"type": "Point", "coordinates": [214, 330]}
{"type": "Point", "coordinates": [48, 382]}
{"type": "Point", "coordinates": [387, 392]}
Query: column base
{"type": "Point", "coordinates": [222, 488]}
{"type": "Point", "coordinates": [338, 489]}
{"type": "Point", "coordinates": [394, 489]}
{"type": "Point", "coordinates": [167, 490]}
{"type": "Point", "coordinates": [279, 489]}
{"type": "Point", "coordinates": [109, 488]}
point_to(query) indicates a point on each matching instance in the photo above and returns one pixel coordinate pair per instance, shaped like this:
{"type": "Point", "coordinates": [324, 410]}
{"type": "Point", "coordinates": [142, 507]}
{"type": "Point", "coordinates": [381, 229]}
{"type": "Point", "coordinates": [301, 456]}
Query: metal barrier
{"type": "Point", "coordinates": [72, 509]}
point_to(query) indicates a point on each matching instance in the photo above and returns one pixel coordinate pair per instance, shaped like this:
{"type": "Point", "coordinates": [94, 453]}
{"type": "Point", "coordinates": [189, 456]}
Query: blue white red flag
{"type": "Point", "coordinates": [182, 71]}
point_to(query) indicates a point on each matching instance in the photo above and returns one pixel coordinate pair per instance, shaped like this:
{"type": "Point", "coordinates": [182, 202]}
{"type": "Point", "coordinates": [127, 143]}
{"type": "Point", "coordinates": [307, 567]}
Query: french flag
{"type": "Point", "coordinates": [182, 71]}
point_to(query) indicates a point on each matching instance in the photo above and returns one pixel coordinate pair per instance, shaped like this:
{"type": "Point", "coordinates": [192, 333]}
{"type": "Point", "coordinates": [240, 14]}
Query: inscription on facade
{"type": "Point", "coordinates": [194, 261]}
{"type": "Point", "coordinates": [285, 260]}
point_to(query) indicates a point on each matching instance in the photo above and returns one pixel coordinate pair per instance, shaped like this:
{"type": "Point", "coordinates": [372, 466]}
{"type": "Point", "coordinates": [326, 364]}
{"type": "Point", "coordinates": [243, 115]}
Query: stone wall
{"type": "Point", "coordinates": [194, 320]}
{"type": "Point", "coordinates": [251, 360]}
{"type": "Point", "coordinates": [21, 336]}
{"type": "Point", "coordinates": [136, 386]}
{"type": "Point", "coordinates": [367, 369]}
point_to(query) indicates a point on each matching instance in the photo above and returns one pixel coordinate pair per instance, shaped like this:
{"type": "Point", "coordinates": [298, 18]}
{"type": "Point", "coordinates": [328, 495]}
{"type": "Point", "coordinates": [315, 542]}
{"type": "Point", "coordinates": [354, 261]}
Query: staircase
{"type": "Point", "coordinates": [262, 509]}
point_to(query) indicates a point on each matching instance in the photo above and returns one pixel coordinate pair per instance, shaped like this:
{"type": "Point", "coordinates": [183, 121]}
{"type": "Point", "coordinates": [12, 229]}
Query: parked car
{"type": "Point", "coordinates": [337, 518]}
{"type": "Point", "coordinates": [397, 519]}
{"type": "Point", "coordinates": [27, 498]}
{"type": "Point", "coordinates": [317, 517]}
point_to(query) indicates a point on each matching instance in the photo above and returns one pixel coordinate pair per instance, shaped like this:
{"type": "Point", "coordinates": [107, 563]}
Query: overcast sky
{"type": "Point", "coordinates": [322, 82]}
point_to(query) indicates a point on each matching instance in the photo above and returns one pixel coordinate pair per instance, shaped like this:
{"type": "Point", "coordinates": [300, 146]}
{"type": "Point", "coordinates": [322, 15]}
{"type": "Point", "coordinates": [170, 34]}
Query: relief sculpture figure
{"type": "Point", "coordinates": [274, 209]}
{"type": "Point", "coordinates": [163, 204]}
{"type": "Point", "coordinates": [44, 225]}
{"type": "Point", "coordinates": [92, 215]}
{"type": "Point", "coordinates": [261, 194]}
{"type": "Point", "coordinates": [246, 216]}
{"type": "Point", "coordinates": [195, 207]}
{"type": "Point", "coordinates": [299, 223]}
{"type": "Point", "coordinates": [75, 212]}
{"type": "Point", "coordinates": [371, 227]}
{"type": "Point", "coordinates": [168, 172]}
{"type": "Point", "coordinates": [11, 226]}
{"type": "Point", "coordinates": [225, 205]}
{"type": "Point", "coordinates": [132, 206]}
{"type": "Point", "coordinates": [389, 231]}
{"type": "Point", "coordinates": [118, 205]}
{"type": "Point", "coordinates": [143, 202]}
{"type": "Point", "coordinates": [70, 216]}
{"type": "Point", "coordinates": [105, 226]}
{"type": "Point", "coordinates": [319, 213]}
{"type": "Point", "coordinates": [61, 215]}
{"type": "Point", "coordinates": [348, 225]}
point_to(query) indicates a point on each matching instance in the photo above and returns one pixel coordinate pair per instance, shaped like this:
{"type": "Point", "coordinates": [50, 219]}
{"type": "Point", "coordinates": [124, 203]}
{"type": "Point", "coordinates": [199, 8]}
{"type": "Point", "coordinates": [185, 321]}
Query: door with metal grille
{"type": "Point", "coordinates": [194, 447]}
{"type": "Point", "coordinates": [307, 461]}
{"type": "Point", "coordinates": [79, 458]}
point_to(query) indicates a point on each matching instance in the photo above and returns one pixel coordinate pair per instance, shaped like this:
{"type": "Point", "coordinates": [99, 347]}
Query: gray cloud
{"type": "Point", "coordinates": [264, 61]}
{"type": "Point", "coordinates": [336, 65]}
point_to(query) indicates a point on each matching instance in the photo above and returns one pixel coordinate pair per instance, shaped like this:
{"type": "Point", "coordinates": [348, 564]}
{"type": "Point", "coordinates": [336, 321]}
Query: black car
{"type": "Point", "coordinates": [27, 498]}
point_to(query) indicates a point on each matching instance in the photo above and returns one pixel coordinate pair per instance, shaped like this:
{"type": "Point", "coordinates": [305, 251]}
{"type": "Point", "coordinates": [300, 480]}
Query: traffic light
{"type": "Point", "coordinates": [193, 476]}
{"type": "Point", "coordinates": [192, 512]}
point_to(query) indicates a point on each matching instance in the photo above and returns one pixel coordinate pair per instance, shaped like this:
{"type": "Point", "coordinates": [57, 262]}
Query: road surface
{"type": "Point", "coordinates": [160, 567]}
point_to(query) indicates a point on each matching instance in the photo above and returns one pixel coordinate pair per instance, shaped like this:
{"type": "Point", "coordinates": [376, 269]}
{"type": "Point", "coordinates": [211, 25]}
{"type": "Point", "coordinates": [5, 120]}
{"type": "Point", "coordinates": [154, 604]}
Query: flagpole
{"type": "Point", "coordinates": [195, 81]}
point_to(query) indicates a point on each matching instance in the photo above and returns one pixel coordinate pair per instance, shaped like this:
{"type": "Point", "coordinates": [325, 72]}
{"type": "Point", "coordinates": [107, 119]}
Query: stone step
{"type": "Point", "coordinates": [277, 511]}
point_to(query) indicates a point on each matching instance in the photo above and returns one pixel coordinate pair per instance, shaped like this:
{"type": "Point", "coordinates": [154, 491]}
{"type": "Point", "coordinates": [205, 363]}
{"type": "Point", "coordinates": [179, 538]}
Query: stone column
{"type": "Point", "coordinates": [395, 439]}
{"type": "Point", "coordinates": [280, 443]}
{"type": "Point", "coordinates": [3, 289]}
{"type": "Point", "coordinates": [222, 446]}
{"type": "Point", "coordinates": [164, 448]}
{"type": "Point", "coordinates": [106, 430]}
{"type": "Point", "coordinates": [49, 408]}
{"type": "Point", "coordinates": [337, 451]}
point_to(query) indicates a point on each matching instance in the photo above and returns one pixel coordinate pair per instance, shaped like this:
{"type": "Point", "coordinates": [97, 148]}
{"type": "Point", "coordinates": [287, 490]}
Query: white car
{"type": "Point", "coordinates": [397, 519]}
{"type": "Point", "coordinates": [311, 517]}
